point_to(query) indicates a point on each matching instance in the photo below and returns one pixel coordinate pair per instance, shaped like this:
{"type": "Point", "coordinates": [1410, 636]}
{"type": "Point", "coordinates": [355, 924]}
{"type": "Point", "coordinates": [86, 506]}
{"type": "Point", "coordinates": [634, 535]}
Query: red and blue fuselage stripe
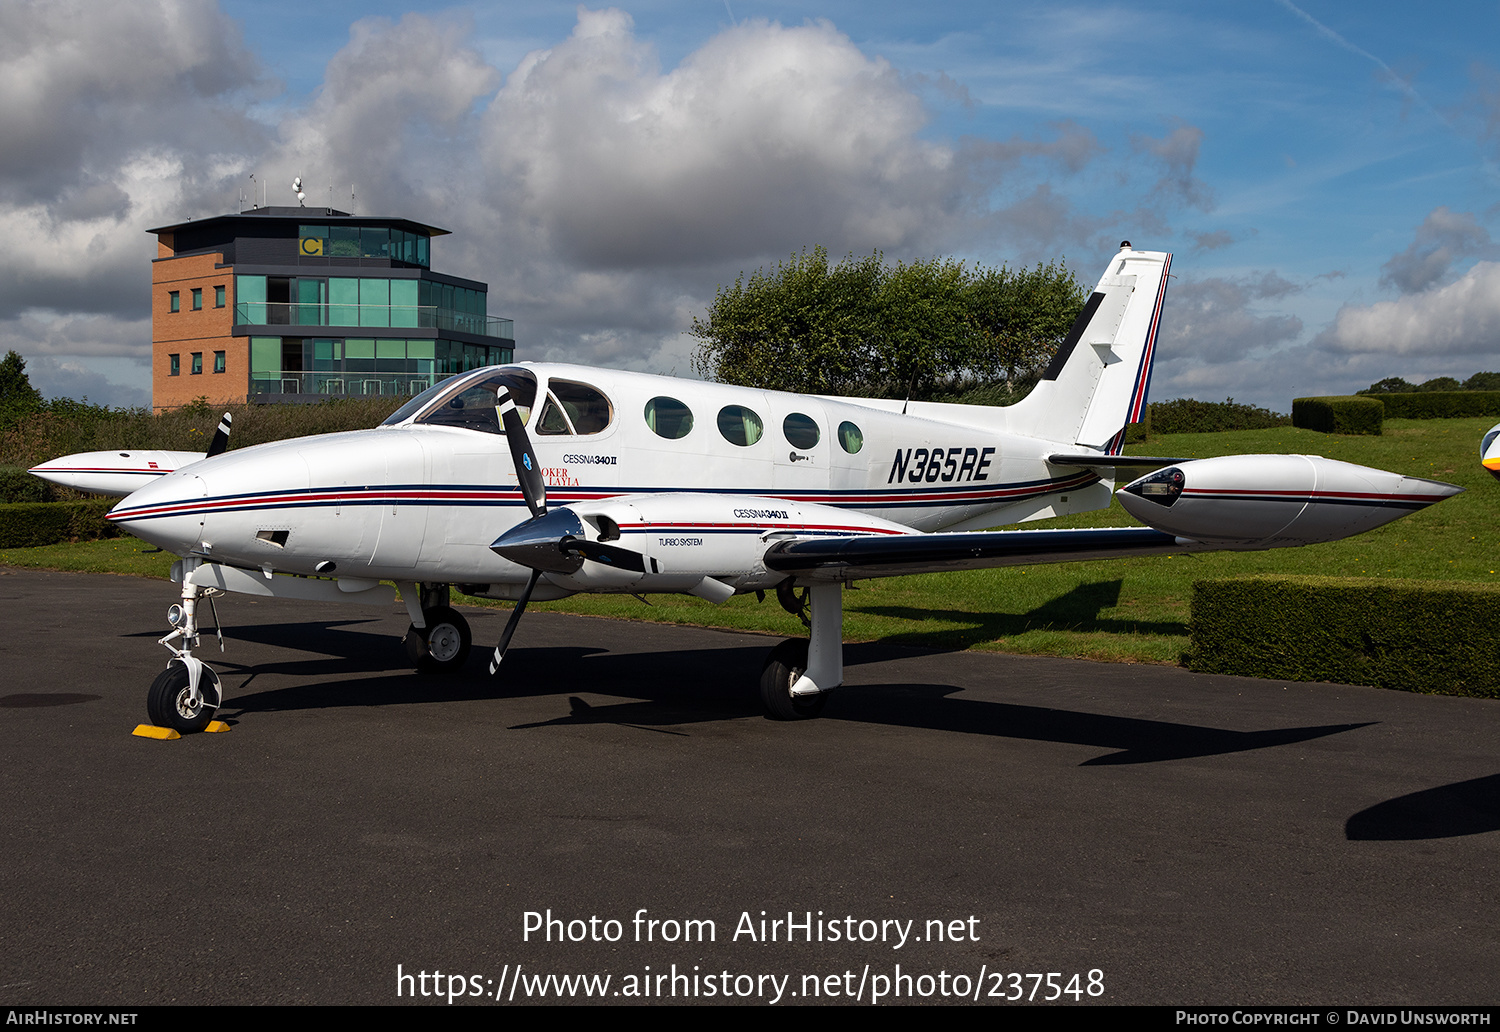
{"type": "Point", "coordinates": [417, 494]}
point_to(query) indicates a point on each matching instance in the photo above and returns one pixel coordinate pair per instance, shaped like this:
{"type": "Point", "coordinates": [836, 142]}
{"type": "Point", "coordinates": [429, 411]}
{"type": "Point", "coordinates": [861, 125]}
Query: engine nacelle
{"type": "Point", "coordinates": [687, 537]}
{"type": "Point", "coordinates": [1275, 501]}
{"type": "Point", "coordinates": [1489, 451]}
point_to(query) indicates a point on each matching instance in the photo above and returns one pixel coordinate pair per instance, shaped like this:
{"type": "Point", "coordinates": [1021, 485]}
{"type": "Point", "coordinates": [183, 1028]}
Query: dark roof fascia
{"type": "Point", "coordinates": [260, 216]}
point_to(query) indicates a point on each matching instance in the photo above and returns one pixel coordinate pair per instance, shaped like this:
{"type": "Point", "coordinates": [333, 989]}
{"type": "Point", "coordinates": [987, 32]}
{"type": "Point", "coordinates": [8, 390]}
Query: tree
{"type": "Point", "coordinates": [1390, 385]}
{"type": "Point", "coordinates": [18, 398]}
{"type": "Point", "coordinates": [862, 328]}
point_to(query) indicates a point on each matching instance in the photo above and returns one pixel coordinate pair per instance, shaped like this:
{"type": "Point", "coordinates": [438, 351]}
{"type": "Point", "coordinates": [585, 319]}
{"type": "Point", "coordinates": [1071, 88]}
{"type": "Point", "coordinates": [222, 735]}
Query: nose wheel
{"type": "Point", "coordinates": [185, 696]}
{"type": "Point", "coordinates": [442, 646]}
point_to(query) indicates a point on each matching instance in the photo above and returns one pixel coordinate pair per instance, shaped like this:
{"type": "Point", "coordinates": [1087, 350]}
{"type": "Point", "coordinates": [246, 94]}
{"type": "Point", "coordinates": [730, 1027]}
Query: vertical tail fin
{"type": "Point", "coordinates": [1098, 381]}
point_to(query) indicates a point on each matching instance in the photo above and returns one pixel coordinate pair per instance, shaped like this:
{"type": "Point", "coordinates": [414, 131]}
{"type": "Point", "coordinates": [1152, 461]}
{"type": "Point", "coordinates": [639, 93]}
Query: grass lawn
{"type": "Point", "coordinates": [1131, 610]}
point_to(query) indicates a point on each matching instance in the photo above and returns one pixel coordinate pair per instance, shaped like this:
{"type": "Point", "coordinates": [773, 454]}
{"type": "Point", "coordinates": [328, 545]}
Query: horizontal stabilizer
{"type": "Point", "coordinates": [1094, 460]}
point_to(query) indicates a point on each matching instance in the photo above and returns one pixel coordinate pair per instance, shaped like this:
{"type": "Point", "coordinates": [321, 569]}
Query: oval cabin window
{"type": "Point", "coordinates": [800, 431]}
{"type": "Point", "coordinates": [740, 425]}
{"type": "Point", "coordinates": [669, 418]}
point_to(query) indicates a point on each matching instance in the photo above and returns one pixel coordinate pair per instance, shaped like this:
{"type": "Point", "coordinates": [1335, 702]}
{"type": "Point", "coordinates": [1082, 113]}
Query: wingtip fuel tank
{"type": "Point", "coordinates": [1274, 501]}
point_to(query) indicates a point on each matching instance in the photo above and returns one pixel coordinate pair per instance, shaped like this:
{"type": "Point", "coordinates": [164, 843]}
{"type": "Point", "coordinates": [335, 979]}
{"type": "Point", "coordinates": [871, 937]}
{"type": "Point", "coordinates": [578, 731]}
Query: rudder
{"type": "Point", "coordinates": [1099, 379]}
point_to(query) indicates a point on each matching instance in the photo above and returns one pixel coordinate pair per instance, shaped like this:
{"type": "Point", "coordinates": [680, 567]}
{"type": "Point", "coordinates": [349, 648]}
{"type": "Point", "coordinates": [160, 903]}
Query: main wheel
{"type": "Point", "coordinates": [786, 663]}
{"type": "Point", "coordinates": [443, 646]}
{"type": "Point", "coordinates": [169, 702]}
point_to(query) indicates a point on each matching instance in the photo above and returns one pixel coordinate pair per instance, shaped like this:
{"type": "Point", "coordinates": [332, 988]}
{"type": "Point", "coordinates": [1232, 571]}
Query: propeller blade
{"type": "Point", "coordinates": [609, 555]}
{"type": "Point", "coordinates": [528, 469]}
{"type": "Point", "coordinates": [510, 625]}
{"type": "Point", "coordinates": [220, 442]}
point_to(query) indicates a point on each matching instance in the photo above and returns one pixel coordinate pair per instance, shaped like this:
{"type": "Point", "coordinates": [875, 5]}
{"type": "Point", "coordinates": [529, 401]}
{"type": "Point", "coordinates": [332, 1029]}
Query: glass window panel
{"type": "Point", "coordinates": [249, 299]}
{"type": "Point", "coordinates": [422, 243]}
{"type": "Point", "coordinates": [851, 438]}
{"type": "Point", "coordinates": [312, 302]}
{"type": "Point", "coordinates": [343, 241]}
{"type": "Point", "coordinates": [419, 349]}
{"type": "Point", "coordinates": [800, 431]}
{"type": "Point", "coordinates": [343, 302]}
{"type": "Point", "coordinates": [475, 407]}
{"type": "Point", "coordinates": [374, 302]}
{"type": "Point", "coordinates": [374, 243]}
{"type": "Point", "coordinates": [740, 425]}
{"type": "Point", "coordinates": [197, 363]}
{"type": "Point", "coordinates": [174, 301]}
{"type": "Point", "coordinates": [174, 365]}
{"type": "Point", "coordinates": [359, 348]}
{"type": "Point", "coordinates": [669, 418]}
{"type": "Point", "coordinates": [265, 354]}
{"type": "Point", "coordinates": [218, 361]}
{"type": "Point", "coordinates": [197, 299]}
{"type": "Point", "coordinates": [404, 303]}
{"type": "Point", "coordinates": [552, 421]}
{"type": "Point", "coordinates": [390, 349]}
{"type": "Point", "coordinates": [588, 409]}
{"type": "Point", "coordinates": [218, 297]}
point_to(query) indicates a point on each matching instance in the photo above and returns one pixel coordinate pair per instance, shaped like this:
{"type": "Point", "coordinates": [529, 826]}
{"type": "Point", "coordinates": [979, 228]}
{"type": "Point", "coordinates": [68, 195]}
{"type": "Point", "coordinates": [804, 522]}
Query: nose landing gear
{"type": "Point", "coordinates": [185, 696]}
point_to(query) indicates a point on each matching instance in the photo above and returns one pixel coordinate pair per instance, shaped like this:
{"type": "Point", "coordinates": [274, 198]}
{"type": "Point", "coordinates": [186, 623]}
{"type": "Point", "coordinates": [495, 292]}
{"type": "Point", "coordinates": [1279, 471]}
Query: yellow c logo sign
{"type": "Point", "coordinates": [312, 245]}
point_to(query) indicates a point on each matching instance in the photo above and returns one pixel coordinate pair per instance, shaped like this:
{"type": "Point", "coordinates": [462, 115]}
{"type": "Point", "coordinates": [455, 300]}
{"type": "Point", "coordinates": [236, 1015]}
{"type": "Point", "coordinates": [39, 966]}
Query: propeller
{"type": "Point", "coordinates": [220, 442]}
{"type": "Point", "coordinates": [553, 540]}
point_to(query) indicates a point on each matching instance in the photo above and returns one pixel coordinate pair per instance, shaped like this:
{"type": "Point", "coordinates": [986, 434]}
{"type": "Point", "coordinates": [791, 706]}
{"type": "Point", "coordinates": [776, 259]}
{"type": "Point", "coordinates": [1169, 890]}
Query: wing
{"type": "Point", "coordinates": [1234, 502]}
{"type": "Point", "coordinates": [839, 558]}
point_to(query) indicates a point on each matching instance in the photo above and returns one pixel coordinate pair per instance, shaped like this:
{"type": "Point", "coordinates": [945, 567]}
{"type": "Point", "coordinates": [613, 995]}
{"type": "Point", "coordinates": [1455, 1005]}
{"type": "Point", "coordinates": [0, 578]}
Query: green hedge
{"type": "Point", "coordinates": [1441, 404]}
{"type": "Point", "coordinates": [1435, 637]}
{"type": "Point", "coordinates": [1338, 415]}
{"type": "Point", "coordinates": [29, 524]}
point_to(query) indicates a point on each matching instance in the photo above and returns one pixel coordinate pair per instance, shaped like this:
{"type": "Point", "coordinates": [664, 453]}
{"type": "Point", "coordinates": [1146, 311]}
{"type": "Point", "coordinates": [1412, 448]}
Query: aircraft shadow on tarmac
{"type": "Point", "coordinates": [668, 689]}
{"type": "Point", "coordinates": [1075, 610]}
{"type": "Point", "coordinates": [1448, 811]}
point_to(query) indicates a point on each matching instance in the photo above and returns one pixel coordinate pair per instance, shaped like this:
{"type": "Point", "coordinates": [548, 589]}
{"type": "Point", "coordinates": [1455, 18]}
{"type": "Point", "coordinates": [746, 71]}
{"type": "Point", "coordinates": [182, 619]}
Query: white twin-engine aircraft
{"type": "Point", "coordinates": [539, 481]}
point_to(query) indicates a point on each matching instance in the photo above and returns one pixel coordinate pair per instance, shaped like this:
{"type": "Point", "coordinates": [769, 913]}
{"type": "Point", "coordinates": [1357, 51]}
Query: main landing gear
{"type": "Point", "coordinates": [439, 638]}
{"type": "Point", "coordinates": [798, 673]}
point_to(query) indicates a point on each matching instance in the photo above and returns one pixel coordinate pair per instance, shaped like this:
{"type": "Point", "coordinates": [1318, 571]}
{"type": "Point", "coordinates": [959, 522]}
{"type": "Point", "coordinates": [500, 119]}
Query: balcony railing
{"type": "Point", "coordinates": [277, 313]}
{"type": "Point", "coordinates": [340, 384]}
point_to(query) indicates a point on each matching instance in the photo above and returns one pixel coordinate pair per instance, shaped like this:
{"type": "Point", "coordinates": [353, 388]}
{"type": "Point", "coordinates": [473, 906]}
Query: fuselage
{"type": "Point", "coordinates": [686, 464]}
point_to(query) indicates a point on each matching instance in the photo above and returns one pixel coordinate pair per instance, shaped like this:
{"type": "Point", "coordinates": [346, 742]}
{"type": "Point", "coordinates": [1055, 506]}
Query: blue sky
{"type": "Point", "coordinates": [1326, 174]}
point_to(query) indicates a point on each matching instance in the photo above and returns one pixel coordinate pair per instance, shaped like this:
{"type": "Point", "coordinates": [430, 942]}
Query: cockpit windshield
{"type": "Point", "coordinates": [473, 403]}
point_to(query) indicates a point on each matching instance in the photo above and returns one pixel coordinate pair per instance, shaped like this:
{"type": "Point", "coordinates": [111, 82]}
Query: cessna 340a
{"type": "Point", "coordinates": [536, 481]}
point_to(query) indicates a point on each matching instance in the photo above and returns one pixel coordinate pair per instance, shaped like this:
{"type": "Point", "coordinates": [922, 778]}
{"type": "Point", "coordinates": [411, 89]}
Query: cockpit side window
{"type": "Point", "coordinates": [553, 421]}
{"type": "Point", "coordinates": [473, 405]}
{"type": "Point", "coordinates": [588, 409]}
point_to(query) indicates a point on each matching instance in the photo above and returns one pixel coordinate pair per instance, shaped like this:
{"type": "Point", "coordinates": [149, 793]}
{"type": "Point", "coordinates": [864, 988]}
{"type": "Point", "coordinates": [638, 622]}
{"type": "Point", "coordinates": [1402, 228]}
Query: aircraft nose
{"type": "Point", "coordinates": [167, 513]}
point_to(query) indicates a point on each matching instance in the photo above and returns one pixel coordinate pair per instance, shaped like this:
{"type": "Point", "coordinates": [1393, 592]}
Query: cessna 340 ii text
{"type": "Point", "coordinates": [536, 481]}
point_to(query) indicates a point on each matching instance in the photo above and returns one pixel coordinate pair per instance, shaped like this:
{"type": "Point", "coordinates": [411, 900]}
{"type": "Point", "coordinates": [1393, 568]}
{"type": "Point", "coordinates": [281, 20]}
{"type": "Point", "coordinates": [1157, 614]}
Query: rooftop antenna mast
{"type": "Point", "coordinates": [254, 197]}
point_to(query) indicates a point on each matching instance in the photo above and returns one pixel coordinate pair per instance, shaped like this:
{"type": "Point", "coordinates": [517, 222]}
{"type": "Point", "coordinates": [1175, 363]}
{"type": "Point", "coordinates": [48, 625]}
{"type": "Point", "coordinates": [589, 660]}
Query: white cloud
{"type": "Point", "coordinates": [1462, 318]}
{"type": "Point", "coordinates": [765, 138]}
{"type": "Point", "coordinates": [115, 116]}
